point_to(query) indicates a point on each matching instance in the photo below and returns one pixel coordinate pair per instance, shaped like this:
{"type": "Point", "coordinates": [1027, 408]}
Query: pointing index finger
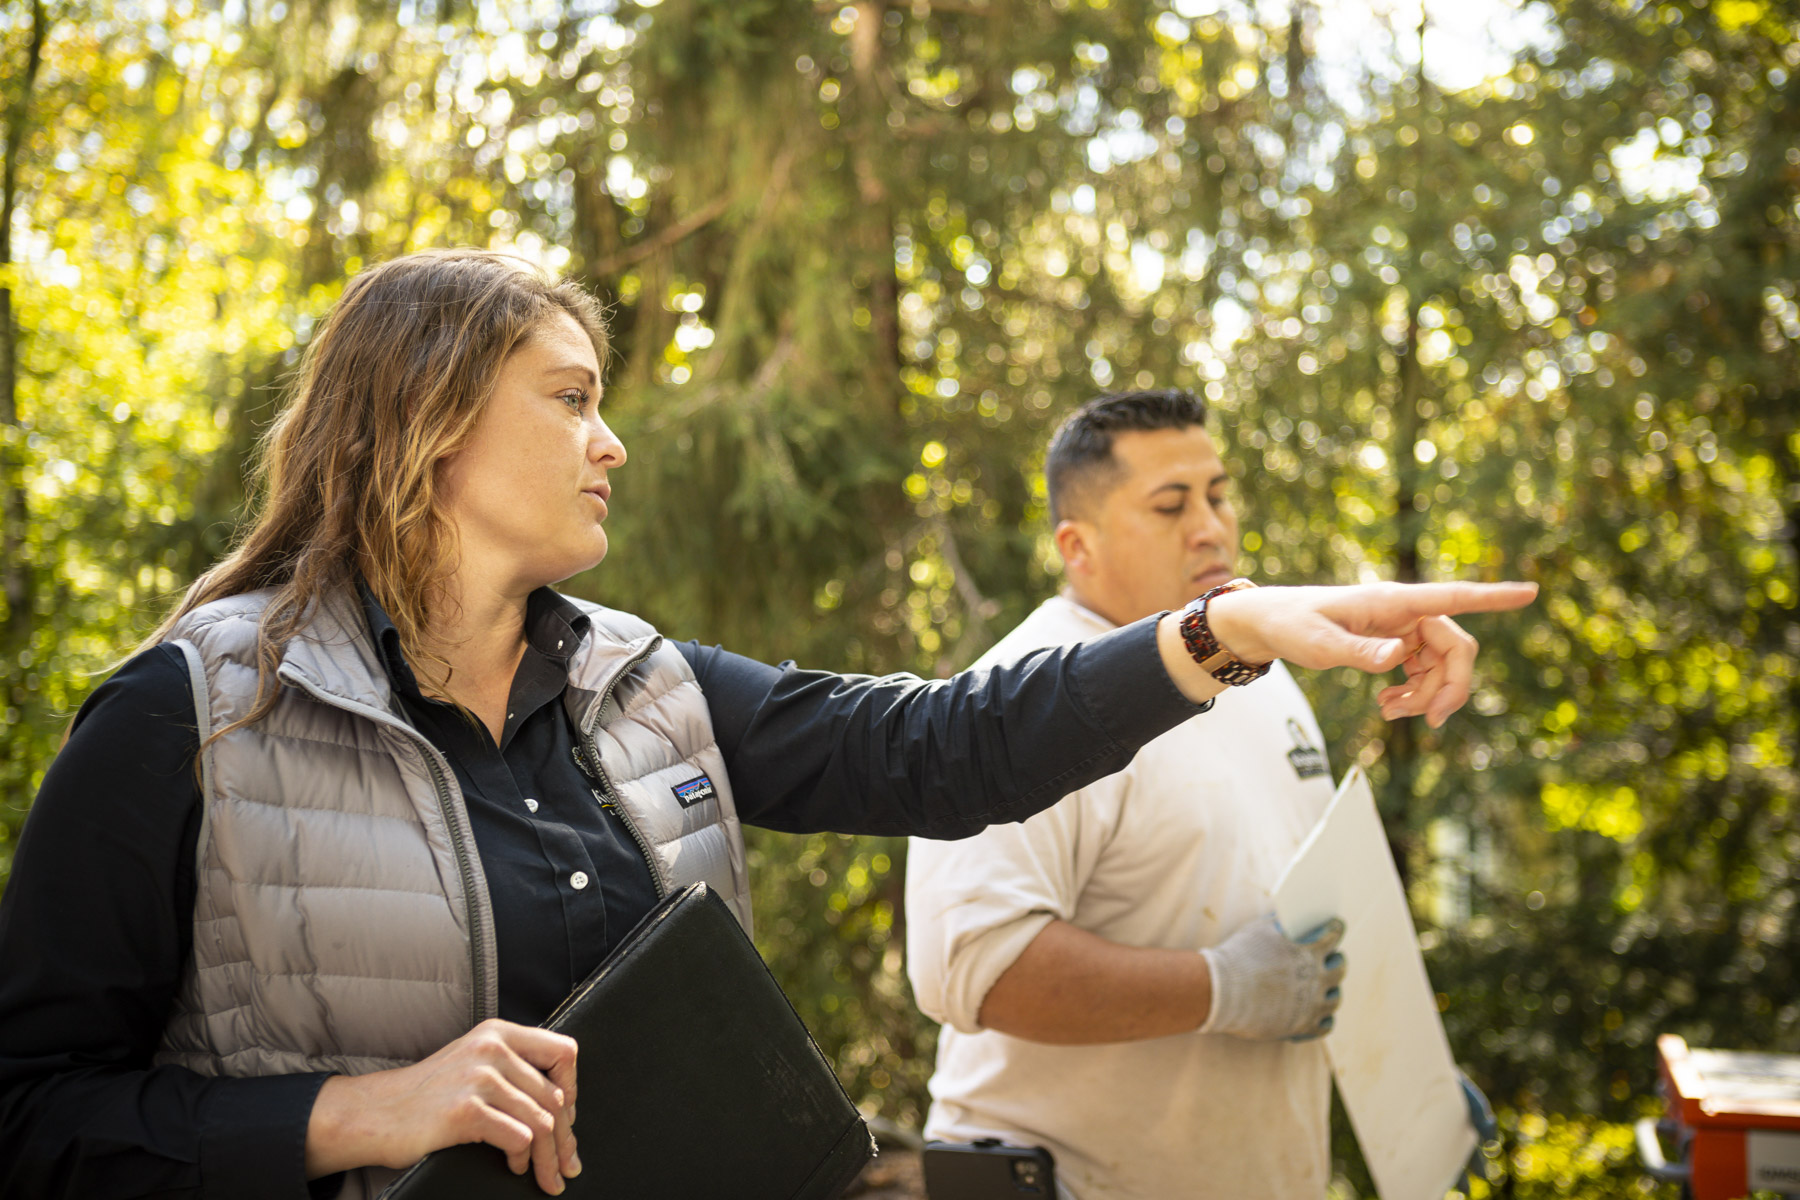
{"type": "Point", "coordinates": [1449, 599]}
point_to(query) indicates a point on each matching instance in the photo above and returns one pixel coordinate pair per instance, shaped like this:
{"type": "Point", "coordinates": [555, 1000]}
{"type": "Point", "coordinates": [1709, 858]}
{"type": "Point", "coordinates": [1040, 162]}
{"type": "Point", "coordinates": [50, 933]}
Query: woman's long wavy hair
{"type": "Point", "coordinates": [347, 479]}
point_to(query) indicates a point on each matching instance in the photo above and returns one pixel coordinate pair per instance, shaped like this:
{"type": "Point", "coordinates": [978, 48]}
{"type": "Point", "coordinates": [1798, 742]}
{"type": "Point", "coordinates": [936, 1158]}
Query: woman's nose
{"type": "Point", "coordinates": [604, 445]}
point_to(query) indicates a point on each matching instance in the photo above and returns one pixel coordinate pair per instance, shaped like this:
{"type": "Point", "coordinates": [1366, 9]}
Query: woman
{"type": "Point", "coordinates": [375, 797]}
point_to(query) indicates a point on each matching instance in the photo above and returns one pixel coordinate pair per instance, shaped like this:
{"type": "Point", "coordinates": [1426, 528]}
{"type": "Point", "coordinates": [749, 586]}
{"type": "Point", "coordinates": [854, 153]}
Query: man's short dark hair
{"type": "Point", "coordinates": [1080, 463]}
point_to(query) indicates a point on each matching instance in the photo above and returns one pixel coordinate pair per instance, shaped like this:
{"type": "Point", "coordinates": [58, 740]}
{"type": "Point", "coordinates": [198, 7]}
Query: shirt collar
{"type": "Point", "coordinates": [1067, 596]}
{"type": "Point", "coordinates": [554, 627]}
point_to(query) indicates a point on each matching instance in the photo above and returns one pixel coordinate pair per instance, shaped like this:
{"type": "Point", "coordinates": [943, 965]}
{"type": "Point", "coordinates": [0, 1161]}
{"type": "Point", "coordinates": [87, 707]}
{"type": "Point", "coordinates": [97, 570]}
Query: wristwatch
{"type": "Point", "coordinates": [1215, 659]}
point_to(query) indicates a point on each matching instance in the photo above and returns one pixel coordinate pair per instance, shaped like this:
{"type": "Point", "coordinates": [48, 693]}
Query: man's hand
{"type": "Point", "coordinates": [1266, 985]}
{"type": "Point", "coordinates": [508, 1085]}
{"type": "Point", "coordinates": [1373, 627]}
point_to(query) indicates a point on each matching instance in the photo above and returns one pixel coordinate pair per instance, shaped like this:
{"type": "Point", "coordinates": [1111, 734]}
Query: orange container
{"type": "Point", "coordinates": [1739, 1114]}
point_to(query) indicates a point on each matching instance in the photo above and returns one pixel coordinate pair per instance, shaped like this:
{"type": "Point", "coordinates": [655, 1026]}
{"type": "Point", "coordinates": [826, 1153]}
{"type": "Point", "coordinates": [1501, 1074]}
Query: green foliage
{"type": "Point", "coordinates": [1541, 1158]}
{"type": "Point", "coordinates": [1538, 322]}
{"type": "Point", "coordinates": [830, 922]}
{"type": "Point", "coordinates": [1535, 1156]}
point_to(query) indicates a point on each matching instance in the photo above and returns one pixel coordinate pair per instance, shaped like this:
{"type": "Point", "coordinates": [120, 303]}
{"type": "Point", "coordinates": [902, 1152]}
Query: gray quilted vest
{"type": "Point", "coordinates": [342, 920]}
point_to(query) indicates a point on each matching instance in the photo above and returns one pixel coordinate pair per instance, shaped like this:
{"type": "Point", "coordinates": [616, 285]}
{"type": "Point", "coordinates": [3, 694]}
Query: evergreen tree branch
{"type": "Point", "coordinates": [971, 7]}
{"type": "Point", "coordinates": [668, 236]}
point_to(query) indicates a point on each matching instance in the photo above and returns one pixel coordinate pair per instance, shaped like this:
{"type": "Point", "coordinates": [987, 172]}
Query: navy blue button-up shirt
{"type": "Point", "coordinates": [539, 826]}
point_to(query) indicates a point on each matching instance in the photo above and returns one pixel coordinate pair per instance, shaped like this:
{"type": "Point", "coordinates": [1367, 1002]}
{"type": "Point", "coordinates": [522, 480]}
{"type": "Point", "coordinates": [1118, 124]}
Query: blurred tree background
{"type": "Point", "coordinates": [1489, 290]}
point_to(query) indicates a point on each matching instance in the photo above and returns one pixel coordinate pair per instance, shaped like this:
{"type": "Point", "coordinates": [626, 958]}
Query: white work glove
{"type": "Point", "coordinates": [1266, 985]}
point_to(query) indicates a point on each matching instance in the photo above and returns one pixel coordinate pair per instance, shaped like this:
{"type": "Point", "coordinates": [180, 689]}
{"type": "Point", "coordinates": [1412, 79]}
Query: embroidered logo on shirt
{"type": "Point", "coordinates": [581, 763]}
{"type": "Point", "coordinates": [694, 791]}
{"type": "Point", "coordinates": [1308, 759]}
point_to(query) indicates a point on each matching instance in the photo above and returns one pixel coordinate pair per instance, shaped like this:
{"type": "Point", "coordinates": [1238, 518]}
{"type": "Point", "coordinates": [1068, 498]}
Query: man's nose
{"type": "Point", "coordinates": [1206, 529]}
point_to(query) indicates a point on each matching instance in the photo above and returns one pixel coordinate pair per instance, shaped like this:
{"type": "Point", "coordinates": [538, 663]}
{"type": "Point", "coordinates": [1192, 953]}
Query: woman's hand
{"type": "Point", "coordinates": [1373, 627]}
{"type": "Point", "coordinates": [508, 1085]}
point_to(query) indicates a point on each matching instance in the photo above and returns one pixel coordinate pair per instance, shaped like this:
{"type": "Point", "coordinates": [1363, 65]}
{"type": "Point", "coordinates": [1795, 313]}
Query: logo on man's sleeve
{"type": "Point", "coordinates": [694, 791]}
{"type": "Point", "coordinates": [1308, 759]}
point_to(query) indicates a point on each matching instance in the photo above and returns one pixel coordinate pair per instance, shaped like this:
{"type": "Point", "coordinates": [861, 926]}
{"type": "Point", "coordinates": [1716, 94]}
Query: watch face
{"type": "Point", "coordinates": [1237, 672]}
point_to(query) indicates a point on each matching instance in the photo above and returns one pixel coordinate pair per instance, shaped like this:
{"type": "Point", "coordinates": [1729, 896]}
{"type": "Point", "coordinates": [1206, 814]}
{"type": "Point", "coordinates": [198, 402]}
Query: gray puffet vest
{"type": "Point", "coordinates": [342, 920]}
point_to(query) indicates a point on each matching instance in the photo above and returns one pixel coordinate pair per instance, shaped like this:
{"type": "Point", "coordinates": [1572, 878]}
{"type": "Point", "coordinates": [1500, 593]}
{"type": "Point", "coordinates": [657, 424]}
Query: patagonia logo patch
{"type": "Point", "coordinates": [1307, 759]}
{"type": "Point", "coordinates": [694, 791]}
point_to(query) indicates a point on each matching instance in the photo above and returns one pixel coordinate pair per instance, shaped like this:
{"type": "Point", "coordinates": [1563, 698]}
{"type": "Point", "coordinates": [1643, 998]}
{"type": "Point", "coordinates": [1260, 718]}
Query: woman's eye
{"type": "Point", "coordinates": [576, 400]}
{"type": "Point", "coordinates": [1170, 512]}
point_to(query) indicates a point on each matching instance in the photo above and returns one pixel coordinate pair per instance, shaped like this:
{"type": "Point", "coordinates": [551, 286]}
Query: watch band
{"type": "Point", "coordinates": [1203, 644]}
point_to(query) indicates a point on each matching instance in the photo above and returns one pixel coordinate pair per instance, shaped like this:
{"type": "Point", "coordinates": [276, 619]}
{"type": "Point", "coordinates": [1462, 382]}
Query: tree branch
{"type": "Point", "coordinates": [665, 237]}
{"type": "Point", "coordinates": [973, 7]}
{"type": "Point", "coordinates": [979, 607]}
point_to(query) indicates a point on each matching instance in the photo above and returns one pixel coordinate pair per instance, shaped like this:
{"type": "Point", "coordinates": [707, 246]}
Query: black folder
{"type": "Point", "coordinates": [695, 1078]}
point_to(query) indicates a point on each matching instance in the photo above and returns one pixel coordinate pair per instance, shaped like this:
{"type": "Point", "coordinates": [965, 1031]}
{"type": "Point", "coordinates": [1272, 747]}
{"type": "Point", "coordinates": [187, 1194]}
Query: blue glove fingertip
{"type": "Point", "coordinates": [1333, 926]}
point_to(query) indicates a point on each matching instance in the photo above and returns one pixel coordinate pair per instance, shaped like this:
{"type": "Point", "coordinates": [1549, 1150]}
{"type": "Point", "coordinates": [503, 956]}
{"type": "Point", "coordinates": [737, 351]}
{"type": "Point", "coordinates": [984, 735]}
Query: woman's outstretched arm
{"type": "Point", "coordinates": [812, 750]}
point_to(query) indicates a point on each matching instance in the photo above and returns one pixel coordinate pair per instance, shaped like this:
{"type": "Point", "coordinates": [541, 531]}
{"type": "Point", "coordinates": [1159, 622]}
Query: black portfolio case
{"type": "Point", "coordinates": [696, 1079]}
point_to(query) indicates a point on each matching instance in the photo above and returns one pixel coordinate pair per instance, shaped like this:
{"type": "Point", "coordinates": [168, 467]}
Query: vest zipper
{"type": "Point", "coordinates": [588, 757]}
{"type": "Point", "coordinates": [476, 963]}
{"type": "Point", "coordinates": [439, 784]}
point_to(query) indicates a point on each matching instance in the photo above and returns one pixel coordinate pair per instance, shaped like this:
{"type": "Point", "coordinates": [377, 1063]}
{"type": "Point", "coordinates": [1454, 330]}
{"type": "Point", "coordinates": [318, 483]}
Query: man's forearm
{"type": "Point", "coordinates": [1072, 988]}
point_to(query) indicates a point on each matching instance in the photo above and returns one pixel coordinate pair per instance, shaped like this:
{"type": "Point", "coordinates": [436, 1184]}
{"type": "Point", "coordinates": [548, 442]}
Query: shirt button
{"type": "Point", "coordinates": [578, 880]}
{"type": "Point", "coordinates": [530, 804]}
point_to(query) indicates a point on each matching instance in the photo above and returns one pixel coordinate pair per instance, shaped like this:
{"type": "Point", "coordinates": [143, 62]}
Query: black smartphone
{"type": "Point", "coordinates": [988, 1169]}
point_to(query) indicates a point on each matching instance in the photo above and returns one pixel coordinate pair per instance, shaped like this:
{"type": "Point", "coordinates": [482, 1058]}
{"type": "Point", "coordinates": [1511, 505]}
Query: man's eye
{"type": "Point", "coordinates": [1219, 499]}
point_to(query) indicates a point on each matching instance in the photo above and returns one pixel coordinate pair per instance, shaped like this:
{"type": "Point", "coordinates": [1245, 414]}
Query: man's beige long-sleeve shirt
{"type": "Point", "coordinates": [1177, 851]}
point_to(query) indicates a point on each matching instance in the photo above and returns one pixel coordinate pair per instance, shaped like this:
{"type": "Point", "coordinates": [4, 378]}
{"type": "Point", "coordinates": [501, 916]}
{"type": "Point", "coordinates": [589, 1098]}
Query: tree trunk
{"type": "Point", "coordinates": [1402, 750]}
{"type": "Point", "coordinates": [875, 233]}
{"type": "Point", "coordinates": [17, 579]}
{"type": "Point", "coordinates": [17, 572]}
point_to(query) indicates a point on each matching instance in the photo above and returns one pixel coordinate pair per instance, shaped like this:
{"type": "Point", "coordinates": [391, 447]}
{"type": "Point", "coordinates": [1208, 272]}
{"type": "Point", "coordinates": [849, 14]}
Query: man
{"type": "Point", "coordinates": [1060, 953]}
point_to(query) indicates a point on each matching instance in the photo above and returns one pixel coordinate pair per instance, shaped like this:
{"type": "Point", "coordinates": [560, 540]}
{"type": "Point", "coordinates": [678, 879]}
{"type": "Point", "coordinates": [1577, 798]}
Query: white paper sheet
{"type": "Point", "coordinates": [1389, 1055]}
